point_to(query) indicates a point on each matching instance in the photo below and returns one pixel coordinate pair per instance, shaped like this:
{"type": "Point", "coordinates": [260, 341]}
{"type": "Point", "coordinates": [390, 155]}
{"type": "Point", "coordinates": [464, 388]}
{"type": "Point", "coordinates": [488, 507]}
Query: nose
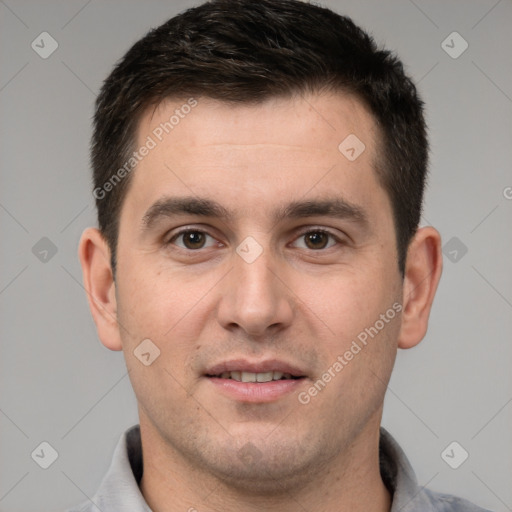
{"type": "Point", "coordinates": [255, 297]}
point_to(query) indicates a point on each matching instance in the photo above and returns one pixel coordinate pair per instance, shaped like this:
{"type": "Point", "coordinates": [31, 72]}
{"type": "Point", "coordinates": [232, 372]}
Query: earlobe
{"type": "Point", "coordinates": [99, 284]}
{"type": "Point", "coordinates": [422, 273]}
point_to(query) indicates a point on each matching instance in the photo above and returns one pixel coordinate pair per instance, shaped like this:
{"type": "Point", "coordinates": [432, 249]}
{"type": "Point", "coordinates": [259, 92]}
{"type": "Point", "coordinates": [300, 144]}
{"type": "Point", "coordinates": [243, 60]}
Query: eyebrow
{"type": "Point", "coordinates": [174, 206]}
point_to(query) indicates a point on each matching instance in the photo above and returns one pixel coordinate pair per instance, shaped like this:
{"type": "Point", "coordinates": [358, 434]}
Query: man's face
{"type": "Point", "coordinates": [277, 284]}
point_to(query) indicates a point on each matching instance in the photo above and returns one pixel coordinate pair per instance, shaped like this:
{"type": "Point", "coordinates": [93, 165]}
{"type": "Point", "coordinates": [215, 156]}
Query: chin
{"type": "Point", "coordinates": [263, 477]}
{"type": "Point", "coordinates": [265, 469]}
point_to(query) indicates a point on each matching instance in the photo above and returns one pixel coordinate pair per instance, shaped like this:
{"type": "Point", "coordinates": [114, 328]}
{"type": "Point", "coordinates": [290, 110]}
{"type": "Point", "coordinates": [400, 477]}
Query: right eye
{"type": "Point", "coordinates": [191, 239]}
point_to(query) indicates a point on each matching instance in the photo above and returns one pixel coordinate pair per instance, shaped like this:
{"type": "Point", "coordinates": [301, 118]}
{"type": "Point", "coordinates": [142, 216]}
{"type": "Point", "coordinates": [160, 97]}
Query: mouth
{"type": "Point", "coordinates": [244, 381]}
{"type": "Point", "coordinates": [245, 376]}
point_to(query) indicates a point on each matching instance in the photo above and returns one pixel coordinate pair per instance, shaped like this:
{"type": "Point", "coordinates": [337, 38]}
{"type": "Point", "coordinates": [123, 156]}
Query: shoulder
{"type": "Point", "coordinates": [85, 507]}
{"type": "Point", "coordinates": [447, 503]}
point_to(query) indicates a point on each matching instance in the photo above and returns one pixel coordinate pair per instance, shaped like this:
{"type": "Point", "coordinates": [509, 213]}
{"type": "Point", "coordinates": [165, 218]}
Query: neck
{"type": "Point", "coordinates": [350, 481]}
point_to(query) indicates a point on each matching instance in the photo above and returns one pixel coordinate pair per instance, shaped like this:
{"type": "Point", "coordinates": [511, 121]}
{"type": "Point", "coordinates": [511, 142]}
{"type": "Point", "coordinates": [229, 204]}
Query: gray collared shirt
{"type": "Point", "coordinates": [119, 490]}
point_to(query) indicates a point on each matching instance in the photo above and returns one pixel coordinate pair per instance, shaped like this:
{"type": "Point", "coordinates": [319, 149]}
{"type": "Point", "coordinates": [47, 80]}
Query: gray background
{"type": "Point", "coordinates": [60, 385]}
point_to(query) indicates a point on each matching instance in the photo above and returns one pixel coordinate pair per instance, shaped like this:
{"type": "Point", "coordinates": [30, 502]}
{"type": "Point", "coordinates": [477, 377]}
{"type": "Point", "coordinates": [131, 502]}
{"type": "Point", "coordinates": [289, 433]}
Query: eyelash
{"type": "Point", "coordinates": [302, 234]}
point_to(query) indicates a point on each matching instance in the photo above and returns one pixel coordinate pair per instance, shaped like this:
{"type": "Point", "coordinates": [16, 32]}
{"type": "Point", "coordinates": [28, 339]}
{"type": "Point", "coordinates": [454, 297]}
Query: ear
{"type": "Point", "coordinates": [422, 273]}
{"type": "Point", "coordinates": [99, 284]}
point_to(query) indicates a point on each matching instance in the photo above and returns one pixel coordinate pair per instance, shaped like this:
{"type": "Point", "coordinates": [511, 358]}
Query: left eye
{"type": "Point", "coordinates": [316, 240]}
{"type": "Point", "coordinates": [191, 239]}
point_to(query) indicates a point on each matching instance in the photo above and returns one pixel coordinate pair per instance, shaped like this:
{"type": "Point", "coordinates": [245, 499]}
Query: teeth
{"type": "Point", "coordinates": [255, 377]}
{"type": "Point", "coordinates": [264, 377]}
{"type": "Point", "coordinates": [236, 375]}
{"type": "Point", "coordinates": [249, 377]}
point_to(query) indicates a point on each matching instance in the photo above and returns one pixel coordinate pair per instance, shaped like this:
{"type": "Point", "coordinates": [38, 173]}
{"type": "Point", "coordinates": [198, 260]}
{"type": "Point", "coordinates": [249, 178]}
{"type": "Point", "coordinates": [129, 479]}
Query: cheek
{"type": "Point", "coordinates": [170, 308]}
{"type": "Point", "coordinates": [349, 303]}
{"type": "Point", "coordinates": [150, 307]}
{"type": "Point", "coordinates": [157, 309]}
{"type": "Point", "coordinates": [368, 326]}
{"type": "Point", "coordinates": [158, 298]}
{"type": "Point", "coordinates": [359, 357]}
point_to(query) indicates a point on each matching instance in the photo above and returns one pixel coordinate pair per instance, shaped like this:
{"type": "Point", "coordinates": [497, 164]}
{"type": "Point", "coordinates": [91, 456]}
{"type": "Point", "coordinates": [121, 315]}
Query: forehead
{"type": "Point", "coordinates": [309, 125]}
{"type": "Point", "coordinates": [240, 153]}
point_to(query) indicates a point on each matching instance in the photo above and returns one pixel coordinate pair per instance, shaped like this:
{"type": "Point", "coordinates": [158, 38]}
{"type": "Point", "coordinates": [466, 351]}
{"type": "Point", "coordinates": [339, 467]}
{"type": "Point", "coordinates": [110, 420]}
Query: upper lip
{"type": "Point", "coordinates": [244, 365]}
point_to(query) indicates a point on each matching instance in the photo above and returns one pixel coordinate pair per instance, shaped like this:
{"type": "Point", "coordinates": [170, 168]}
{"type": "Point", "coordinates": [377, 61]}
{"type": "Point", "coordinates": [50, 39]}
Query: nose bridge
{"type": "Point", "coordinates": [255, 299]}
{"type": "Point", "coordinates": [256, 279]}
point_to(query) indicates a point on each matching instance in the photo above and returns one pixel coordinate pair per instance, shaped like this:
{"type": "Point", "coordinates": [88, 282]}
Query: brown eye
{"type": "Point", "coordinates": [316, 240]}
{"type": "Point", "coordinates": [191, 240]}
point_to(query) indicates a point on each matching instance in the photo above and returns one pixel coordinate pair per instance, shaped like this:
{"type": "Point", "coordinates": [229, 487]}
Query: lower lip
{"type": "Point", "coordinates": [256, 391]}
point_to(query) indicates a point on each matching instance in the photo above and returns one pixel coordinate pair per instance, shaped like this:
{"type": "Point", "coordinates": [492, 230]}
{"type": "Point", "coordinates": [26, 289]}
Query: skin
{"type": "Point", "coordinates": [296, 302]}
